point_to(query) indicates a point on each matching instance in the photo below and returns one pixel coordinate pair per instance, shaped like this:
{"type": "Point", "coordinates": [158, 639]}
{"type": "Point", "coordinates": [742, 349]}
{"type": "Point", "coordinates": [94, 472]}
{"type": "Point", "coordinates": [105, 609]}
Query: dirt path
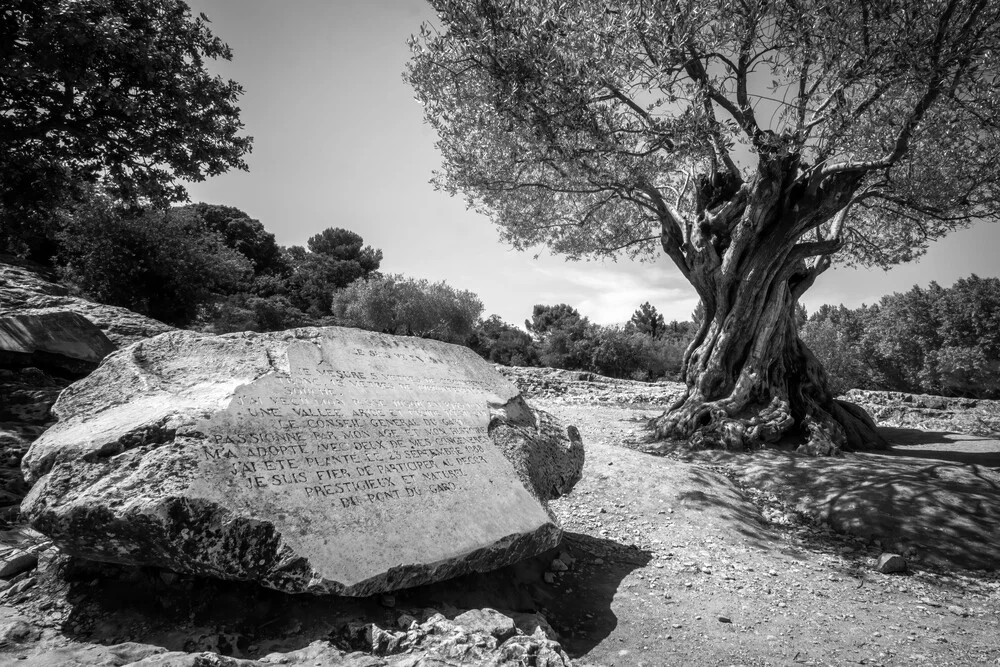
{"type": "Point", "coordinates": [695, 548]}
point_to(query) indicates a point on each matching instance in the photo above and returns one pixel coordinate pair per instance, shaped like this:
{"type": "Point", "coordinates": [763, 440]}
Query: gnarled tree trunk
{"type": "Point", "coordinates": [750, 379]}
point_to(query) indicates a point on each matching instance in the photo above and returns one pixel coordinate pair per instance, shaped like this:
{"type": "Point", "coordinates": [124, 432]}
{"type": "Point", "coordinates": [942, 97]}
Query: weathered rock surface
{"type": "Point", "coordinates": [26, 290]}
{"type": "Point", "coordinates": [319, 460]}
{"type": "Point", "coordinates": [25, 412]}
{"type": "Point", "coordinates": [48, 338]}
{"type": "Point", "coordinates": [62, 339]}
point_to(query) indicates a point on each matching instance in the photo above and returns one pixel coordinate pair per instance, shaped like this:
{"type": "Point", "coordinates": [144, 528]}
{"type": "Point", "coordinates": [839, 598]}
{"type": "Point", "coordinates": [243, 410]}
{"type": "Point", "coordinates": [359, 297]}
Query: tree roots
{"type": "Point", "coordinates": [824, 431]}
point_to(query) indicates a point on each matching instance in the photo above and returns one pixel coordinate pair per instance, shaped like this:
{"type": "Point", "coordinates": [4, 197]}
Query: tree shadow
{"type": "Point", "coordinates": [945, 512]}
{"type": "Point", "coordinates": [943, 446]}
{"type": "Point", "coordinates": [110, 604]}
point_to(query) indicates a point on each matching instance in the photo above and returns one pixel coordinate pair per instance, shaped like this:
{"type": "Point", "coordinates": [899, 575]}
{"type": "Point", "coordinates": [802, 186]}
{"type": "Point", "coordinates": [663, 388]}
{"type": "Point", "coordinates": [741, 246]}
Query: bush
{"type": "Point", "coordinates": [164, 264]}
{"type": "Point", "coordinates": [398, 305]}
{"type": "Point", "coordinates": [501, 343]}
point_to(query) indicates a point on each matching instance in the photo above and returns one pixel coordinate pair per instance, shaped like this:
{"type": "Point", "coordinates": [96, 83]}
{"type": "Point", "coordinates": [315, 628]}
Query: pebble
{"type": "Point", "coordinates": [958, 611]}
{"type": "Point", "coordinates": [889, 563]}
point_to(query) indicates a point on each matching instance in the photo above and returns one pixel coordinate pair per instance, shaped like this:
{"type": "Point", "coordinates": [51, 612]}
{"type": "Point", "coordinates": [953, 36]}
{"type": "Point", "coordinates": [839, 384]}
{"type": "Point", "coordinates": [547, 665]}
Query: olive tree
{"type": "Point", "coordinates": [754, 142]}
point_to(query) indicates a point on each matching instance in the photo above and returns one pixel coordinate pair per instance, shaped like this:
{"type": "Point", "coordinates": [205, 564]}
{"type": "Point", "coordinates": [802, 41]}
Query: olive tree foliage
{"type": "Point", "coordinates": [501, 343]}
{"type": "Point", "coordinates": [396, 304]}
{"type": "Point", "coordinates": [754, 142]}
{"type": "Point", "coordinates": [114, 92]}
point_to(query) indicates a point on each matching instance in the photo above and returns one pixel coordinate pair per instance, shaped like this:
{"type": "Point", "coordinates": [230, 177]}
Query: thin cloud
{"type": "Point", "coordinates": [609, 293]}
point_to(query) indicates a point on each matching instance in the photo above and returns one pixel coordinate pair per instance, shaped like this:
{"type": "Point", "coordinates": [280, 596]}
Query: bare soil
{"type": "Point", "coordinates": [728, 559]}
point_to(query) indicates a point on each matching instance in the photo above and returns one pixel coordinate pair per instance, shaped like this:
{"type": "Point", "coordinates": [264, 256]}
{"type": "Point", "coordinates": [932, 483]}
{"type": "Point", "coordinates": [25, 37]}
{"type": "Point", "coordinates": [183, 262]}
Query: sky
{"type": "Point", "coordinates": [339, 141]}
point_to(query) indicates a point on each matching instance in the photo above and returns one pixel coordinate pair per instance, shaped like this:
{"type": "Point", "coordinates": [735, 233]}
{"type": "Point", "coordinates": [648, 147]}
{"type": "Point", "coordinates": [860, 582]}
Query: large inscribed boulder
{"type": "Point", "coordinates": [318, 460]}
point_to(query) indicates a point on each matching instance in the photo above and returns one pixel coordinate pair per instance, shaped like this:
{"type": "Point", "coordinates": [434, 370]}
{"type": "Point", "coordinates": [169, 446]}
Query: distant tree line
{"type": "Point", "coordinates": [205, 266]}
{"type": "Point", "coordinates": [645, 348]}
{"type": "Point", "coordinates": [936, 340]}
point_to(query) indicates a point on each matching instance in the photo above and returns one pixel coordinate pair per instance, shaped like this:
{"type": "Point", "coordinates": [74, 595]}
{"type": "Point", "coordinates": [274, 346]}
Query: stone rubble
{"type": "Point", "coordinates": [582, 388]}
{"type": "Point", "coordinates": [972, 416]}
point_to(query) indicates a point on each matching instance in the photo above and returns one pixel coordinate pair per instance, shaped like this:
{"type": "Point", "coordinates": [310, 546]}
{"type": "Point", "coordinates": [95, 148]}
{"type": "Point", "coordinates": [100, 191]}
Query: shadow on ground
{"type": "Point", "coordinates": [945, 511]}
{"type": "Point", "coordinates": [110, 604]}
{"type": "Point", "coordinates": [944, 446]}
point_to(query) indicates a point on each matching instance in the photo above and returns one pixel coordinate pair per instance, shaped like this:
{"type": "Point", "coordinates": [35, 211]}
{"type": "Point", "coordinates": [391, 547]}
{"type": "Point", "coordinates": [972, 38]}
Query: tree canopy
{"type": "Point", "coordinates": [165, 264]}
{"type": "Point", "coordinates": [595, 127]}
{"type": "Point", "coordinates": [933, 339]}
{"type": "Point", "coordinates": [646, 319]}
{"type": "Point", "coordinates": [109, 91]}
{"type": "Point", "coordinates": [336, 258]}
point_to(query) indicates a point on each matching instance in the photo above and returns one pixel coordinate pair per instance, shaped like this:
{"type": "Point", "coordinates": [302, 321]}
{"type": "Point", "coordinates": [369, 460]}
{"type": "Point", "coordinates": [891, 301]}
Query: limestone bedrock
{"type": "Point", "coordinates": [322, 460]}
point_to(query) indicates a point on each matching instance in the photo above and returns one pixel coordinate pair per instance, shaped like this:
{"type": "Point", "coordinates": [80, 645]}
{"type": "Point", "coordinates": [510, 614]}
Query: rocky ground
{"type": "Point", "coordinates": [670, 558]}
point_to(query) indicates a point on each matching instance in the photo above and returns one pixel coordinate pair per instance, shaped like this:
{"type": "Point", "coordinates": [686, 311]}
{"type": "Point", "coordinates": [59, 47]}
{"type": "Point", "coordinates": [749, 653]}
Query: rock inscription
{"type": "Point", "coordinates": [329, 460]}
{"type": "Point", "coordinates": [314, 436]}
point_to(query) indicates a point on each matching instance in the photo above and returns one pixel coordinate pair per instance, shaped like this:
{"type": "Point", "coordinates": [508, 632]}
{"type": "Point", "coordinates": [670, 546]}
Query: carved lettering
{"type": "Point", "coordinates": [350, 437]}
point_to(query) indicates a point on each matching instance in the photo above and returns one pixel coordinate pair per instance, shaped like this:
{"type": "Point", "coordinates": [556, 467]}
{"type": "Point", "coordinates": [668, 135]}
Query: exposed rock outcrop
{"type": "Point", "coordinates": [63, 340]}
{"type": "Point", "coordinates": [26, 290]}
{"type": "Point", "coordinates": [48, 339]}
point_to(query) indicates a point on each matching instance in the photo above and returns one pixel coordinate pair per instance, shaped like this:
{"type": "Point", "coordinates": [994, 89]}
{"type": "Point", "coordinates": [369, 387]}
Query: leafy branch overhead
{"type": "Point", "coordinates": [606, 127]}
{"type": "Point", "coordinates": [111, 91]}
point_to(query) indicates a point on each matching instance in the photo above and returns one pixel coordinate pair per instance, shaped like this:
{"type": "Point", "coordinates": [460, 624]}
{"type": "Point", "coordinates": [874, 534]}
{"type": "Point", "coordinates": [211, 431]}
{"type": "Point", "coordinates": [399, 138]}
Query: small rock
{"type": "Point", "coordinates": [405, 621]}
{"type": "Point", "coordinates": [20, 587]}
{"type": "Point", "coordinates": [559, 566]}
{"type": "Point", "coordinates": [891, 563]}
{"type": "Point", "coordinates": [725, 619]}
{"type": "Point", "coordinates": [17, 561]}
{"type": "Point", "coordinates": [549, 578]}
{"type": "Point", "coordinates": [487, 622]}
{"type": "Point", "coordinates": [958, 611]}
